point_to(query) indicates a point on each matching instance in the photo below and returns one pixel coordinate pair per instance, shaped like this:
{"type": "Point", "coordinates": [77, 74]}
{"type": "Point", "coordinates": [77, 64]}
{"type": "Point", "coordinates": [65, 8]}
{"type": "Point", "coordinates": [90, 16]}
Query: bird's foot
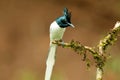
{"type": "Point", "coordinates": [59, 42]}
{"type": "Point", "coordinates": [62, 42]}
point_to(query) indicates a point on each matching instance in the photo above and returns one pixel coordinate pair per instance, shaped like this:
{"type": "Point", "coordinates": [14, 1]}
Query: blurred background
{"type": "Point", "coordinates": [24, 38]}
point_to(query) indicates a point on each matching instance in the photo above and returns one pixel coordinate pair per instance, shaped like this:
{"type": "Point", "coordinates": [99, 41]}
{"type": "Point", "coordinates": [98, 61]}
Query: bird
{"type": "Point", "coordinates": [57, 29]}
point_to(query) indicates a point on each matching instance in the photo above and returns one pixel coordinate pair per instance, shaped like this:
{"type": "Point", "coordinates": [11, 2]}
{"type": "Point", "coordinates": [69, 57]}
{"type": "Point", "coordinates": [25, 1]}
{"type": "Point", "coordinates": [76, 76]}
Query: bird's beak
{"type": "Point", "coordinates": [71, 25]}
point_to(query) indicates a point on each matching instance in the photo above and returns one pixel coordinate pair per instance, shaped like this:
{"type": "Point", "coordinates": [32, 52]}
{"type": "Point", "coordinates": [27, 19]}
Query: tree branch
{"type": "Point", "coordinates": [104, 44]}
{"type": "Point", "coordinates": [99, 56]}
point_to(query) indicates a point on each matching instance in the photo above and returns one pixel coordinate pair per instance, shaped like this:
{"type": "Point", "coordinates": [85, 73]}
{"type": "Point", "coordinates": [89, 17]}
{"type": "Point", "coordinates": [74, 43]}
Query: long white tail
{"type": "Point", "coordinates": [50, 61]}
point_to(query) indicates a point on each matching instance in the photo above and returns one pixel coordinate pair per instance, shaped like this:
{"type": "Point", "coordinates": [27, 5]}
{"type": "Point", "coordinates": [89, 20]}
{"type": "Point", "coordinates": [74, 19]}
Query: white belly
{"type": "Point", "coordinates": [56, 33]}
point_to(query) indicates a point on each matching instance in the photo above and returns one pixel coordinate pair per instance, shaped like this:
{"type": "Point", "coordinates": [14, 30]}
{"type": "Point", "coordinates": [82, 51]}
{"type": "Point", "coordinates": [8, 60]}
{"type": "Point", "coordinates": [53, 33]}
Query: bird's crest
{"type": "Point", "coordinates": [67, 14]}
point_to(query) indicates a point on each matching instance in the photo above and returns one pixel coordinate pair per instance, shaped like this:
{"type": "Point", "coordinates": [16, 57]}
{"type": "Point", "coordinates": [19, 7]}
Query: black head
{"type": "Point", "coordinates": [65, 20]}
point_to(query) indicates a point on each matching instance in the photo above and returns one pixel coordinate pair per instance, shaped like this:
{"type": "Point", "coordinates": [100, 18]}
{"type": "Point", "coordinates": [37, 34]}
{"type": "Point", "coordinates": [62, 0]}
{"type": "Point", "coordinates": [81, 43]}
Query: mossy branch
{"type": "Point", "coordinates": [98, 54]}
{"type": "Point", "coordinates": [109, 39]}
{"type": "Point", "coordinates": [82, 50]}
{"type": "Point", "coordinates": [104, 44]}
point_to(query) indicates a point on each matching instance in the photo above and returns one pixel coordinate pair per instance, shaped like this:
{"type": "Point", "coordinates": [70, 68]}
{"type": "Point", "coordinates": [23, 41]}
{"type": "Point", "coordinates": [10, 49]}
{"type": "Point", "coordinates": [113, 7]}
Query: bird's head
{"type": "Point", "coordinates": [65, 20]}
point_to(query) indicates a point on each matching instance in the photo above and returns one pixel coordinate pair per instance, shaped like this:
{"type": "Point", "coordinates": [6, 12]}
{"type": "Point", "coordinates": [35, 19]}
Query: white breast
{"type": "Point", "coordinates": [56, 33]}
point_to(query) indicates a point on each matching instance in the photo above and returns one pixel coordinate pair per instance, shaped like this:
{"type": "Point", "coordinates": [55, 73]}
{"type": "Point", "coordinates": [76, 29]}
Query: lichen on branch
{"type": "Point", "coordinates": [82, 50]}
{"type": "Point", "coordinates": [97, 52]}
{"type": "Point", "coordinates": [110, 38]}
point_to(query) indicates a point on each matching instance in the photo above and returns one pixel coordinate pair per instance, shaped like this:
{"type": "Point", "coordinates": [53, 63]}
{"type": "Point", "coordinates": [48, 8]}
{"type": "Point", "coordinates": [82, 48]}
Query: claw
{"type": "Point", "coordinates": [62, 42]}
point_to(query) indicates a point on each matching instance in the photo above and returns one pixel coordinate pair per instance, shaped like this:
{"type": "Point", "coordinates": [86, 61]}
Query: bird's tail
{"type": "Point", "coordinates": [50, 61]}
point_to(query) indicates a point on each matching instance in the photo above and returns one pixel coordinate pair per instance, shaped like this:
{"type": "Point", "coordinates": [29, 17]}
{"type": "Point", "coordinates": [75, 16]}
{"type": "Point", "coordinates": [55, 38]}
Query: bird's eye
{"type": "Point", "coordinates": [64, 21]}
